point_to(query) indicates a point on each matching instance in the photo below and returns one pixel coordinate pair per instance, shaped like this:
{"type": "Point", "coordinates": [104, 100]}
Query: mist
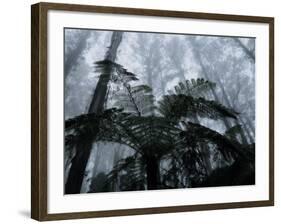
{"type": "Point", "coordinates": [161, 62]}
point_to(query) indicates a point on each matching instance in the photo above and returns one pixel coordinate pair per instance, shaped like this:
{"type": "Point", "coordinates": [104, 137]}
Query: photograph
{"type": "Point", "coordinates": [156, 111]}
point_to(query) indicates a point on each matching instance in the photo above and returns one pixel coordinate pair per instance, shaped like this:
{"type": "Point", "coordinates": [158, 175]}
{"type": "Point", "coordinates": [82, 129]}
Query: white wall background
{"type": "Point", "coordinates": [15, 111]}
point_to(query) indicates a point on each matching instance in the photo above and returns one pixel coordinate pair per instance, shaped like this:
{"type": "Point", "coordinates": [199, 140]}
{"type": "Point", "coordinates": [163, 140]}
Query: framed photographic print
{"type": "Point", "coordinates": [139, 111]}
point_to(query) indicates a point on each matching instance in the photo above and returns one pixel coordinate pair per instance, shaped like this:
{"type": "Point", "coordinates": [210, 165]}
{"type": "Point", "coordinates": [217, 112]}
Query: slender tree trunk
{"type": "Point", "coordinates": [80, 160]}
{"type": "Point", "coordinates": [78, 166]}
{"type": "Point", "coordinates": [100, 91]}
{"type": "Point", "coordinates": [97, 161]}
{"type": "Point", "coordinates": [116, 157]}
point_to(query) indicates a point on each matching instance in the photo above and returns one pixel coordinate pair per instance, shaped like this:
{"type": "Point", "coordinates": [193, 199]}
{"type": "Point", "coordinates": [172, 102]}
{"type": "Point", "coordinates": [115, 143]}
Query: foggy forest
{"type": "Point", "coordinates": [153, 111]}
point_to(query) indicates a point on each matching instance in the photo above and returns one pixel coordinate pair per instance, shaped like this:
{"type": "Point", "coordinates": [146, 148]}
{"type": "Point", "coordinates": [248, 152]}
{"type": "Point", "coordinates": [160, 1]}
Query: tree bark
{"type": "Point", "coordinates": [83, 150]}
{"type": "Point", "coordinates": [77, 169]}
{"type": "Point", "coordinates": [152, 172]}
{"type": "Point", "coordinates": [100, 91]}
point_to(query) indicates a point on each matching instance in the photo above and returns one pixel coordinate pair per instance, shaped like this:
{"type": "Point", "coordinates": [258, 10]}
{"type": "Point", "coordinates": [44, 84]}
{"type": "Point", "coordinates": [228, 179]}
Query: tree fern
{"type": "Point", "coordinates": [132, 122]}
{"type": "Point", "coordinates": [131, 173]}
{"type": "Point", "coordinates": [137, 99]}
{"type": "Point", "coordinates": [194, 87]}
{"type": "Point", "coordinates": [234, 132]}
{"type": "Point", "coordinates": [147, 135]}
{"type": "Point", "coordinates": [117, 72]}
{"type": "Point", "coordinates": [177, 106]}
{"type": "Point", "coordinates": [229, 148]}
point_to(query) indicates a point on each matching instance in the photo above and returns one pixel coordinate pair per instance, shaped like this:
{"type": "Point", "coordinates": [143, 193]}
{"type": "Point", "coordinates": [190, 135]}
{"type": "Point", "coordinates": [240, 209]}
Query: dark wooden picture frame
{"type": "Point", "coordinates": [39, 105]}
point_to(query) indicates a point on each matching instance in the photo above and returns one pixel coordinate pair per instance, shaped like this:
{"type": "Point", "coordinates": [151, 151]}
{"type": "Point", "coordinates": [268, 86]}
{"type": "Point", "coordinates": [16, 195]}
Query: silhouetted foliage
{"type": "Point", "coordinates": [168, 149]}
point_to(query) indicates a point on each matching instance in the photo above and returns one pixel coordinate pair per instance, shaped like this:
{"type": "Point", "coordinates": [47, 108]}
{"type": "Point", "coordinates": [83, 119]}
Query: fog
{"type": "Point", "coordinates": [160, 61]}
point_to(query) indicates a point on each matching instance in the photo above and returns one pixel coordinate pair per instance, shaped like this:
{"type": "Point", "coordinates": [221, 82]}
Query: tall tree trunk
{"type": "Point", "coordinates": [100, 91]}
{"type": "Point", "coordinates": [152, 172]}
{"type": "Point", "coordinates": [116, 157]}
{"type": "Point", "coordinates": [78, 166]}
{"type": "Point", "coordinates": [80, 160]}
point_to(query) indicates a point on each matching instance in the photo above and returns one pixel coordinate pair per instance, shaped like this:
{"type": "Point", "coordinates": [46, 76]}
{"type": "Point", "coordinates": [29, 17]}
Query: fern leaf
{"type": "Point", "coordinates": [177, 106]}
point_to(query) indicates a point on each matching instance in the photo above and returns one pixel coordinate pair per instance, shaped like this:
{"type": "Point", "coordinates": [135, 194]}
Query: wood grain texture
{"type": "Point", "coordinates": [39, 206]}
{"type": "Point", "coordinates": [38, 112]}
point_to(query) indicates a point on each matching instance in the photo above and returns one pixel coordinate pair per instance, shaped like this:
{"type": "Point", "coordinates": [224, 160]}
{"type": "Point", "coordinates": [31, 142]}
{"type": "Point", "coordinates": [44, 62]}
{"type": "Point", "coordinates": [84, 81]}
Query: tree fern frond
{"type": "Point", "coordinates": [234, 132]}
{"type": "Point", "coordinates": [177, 106]}
{"type": "Point", "coordinates": [130, 171]}
{"type": "Point", "coordinates": [141, 89]}
{"type": "Point", "coordinates": [83, 126]}
{"type": "Point", "coordinates": [194, 87]}
{"type": "Point", "coordinates": [117, 73]}
{"type": "Point", "coordinates": [135, 99]}
{"type": "Point", "coordinates": [229, 148]}
{"type": "Point", "coordinates": [116, 126]}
